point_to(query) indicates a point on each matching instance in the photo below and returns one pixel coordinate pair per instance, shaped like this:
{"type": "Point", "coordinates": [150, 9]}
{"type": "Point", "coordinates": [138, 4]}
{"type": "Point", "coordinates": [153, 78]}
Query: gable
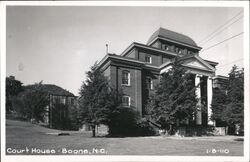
{"type": "Point", "coordinates": [195, 63]}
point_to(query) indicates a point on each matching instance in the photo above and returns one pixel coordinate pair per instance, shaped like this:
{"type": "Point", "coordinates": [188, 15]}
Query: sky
{"type": "Point", "coordinates": [58, 44]}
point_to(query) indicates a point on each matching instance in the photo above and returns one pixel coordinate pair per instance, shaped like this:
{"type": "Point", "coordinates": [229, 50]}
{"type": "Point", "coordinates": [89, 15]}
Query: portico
{"type": "Point", "coordinates": [204, 93]}
{"type": "Point", "coordinates": [203, 74]}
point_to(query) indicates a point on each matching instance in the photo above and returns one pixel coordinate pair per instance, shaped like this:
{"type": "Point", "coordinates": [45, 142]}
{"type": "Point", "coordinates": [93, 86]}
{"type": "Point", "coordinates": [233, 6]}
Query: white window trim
{"type": "Point", "coordinates": [177, 50]}
{"type": "Point", "coordinates": [151, 83]}
{"type": "Point", "coordinates": [128, 78]}
{"type": "Point", "coordinates": [129, 101]}
{"type": "Point", "coordinates": [150, 59]}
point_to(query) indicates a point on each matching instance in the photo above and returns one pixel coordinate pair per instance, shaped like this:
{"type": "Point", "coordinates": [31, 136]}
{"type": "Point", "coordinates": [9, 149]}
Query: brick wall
{"type": "Point", "coordinates": [133, 90]}
{"type": "Point", "coordinates": [145, 91]}
{"type": "Point", "coordinates": [156, 58]}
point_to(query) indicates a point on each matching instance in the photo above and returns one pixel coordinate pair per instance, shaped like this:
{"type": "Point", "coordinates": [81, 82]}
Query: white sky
{"type": "Point", "coordinates": [59, 44]}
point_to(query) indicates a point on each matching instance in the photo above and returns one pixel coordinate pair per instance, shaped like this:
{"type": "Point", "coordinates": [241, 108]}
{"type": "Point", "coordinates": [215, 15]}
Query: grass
{"type": "Point", "coordinates": [20, 135]}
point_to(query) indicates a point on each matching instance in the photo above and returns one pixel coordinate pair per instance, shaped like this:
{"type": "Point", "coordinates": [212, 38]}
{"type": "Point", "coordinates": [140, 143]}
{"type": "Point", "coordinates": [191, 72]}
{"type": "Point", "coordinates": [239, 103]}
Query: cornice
{"type": "Point", "coordinates": [139, 45]}
{"type": "Point", "coordinates": [173, 41]}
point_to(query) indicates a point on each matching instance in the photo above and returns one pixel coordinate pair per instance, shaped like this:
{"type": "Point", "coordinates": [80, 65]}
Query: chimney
{"type": "Point", "coordinates": [107, 48]}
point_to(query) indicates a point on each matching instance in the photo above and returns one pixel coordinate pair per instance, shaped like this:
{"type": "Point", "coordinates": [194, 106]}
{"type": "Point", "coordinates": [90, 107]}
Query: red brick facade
{"type": "Point", "coordinates": [161, 49]}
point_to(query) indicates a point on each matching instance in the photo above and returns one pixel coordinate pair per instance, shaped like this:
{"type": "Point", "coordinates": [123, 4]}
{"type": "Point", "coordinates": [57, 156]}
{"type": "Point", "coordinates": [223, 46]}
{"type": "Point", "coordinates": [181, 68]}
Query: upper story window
{"type": "Point", "coordinates": [176, 49]}
{"type": "Point", "coordinates": [189, 52]}
{"type": "Point", "coordinates": [148, 59]}
{"type": "Point", "coordinates": [165, 47]}
{"type": "Point", "coordinates": [126, 101]}
{"type": "Point", "coordinates": [125, 77]}
{"type": "Point", "coordinates": [149, 83]}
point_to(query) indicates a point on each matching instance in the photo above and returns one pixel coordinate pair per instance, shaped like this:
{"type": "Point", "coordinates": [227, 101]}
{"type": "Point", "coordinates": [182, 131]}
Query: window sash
{"type": "Point", "coordinates": [149, 83]}
{"type": "Point", "coordinates": [125, 78]}
{"type": "Point", "coordinates": [148, 59]}
{"type": "Point", "coordinates": [126, 101]}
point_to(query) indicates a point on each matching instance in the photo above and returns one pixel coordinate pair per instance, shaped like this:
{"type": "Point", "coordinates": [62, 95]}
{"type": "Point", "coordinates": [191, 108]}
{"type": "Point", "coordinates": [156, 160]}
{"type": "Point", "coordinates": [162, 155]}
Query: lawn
{"type": "Point", "coordinates": [21, 136]}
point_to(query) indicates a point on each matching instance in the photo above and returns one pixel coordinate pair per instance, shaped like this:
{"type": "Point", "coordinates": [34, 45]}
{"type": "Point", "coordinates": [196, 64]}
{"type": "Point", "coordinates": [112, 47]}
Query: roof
{"type": "Point", "coordinates": [165, 33]}
{"type": "Point", "coordinates": [117, 57]}
{"type": "Point", "coordinates": [135, 44]}
{"type": "Point", "coordinates": [211, 62]}
{"type": "Point", "coordinates": [111, 57]}
{"type": "Point", "coordinates": [221, 77]}
{"type": "Point", "coordinates": [52, 89]}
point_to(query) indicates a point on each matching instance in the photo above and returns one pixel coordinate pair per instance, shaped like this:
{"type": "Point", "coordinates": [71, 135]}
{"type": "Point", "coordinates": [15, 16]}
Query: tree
{"type": "Point", "coordinates": [228, 103]}
{"type": "Point", "coordinates": [123, 122]}
{"type": "Point", "coordinates": [32, 102]}
{"type": "Point", "coordinates": [233, 113]}
{"type": "Point", "coordinates": [174, 100]}
{"type": "Point", "coordinates": [13, 88]}
{"type": "Point", "coordinates": [218, 105]}
{"type": "Point", "coordinates": [98, 100]}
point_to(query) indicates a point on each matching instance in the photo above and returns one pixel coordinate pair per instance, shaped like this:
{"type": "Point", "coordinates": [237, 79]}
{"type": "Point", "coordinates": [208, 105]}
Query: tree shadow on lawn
{"type": "Point", "coordinates": [123, 136]}
{"type": "Point", "coordinates": [239, 139]}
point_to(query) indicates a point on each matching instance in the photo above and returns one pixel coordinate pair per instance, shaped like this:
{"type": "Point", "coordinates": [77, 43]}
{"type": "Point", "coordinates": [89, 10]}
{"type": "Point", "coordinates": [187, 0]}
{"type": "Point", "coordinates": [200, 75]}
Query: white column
{"type": "Point", "coordinates": [198, 95]}
{"type": "Point", "coordinates": [209, 101]}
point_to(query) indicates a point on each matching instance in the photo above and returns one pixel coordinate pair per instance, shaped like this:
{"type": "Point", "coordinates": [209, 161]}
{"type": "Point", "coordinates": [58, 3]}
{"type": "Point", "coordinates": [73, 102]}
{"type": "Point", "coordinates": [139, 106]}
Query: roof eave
{"type": "Point", "coordinates": [135, 44]}
{"type": "Point", "coordinates": [173, 41]}
{"type": "Point", "coordinates": [117, 57]}
{"type": "Point", "coordinates": [211, 62]}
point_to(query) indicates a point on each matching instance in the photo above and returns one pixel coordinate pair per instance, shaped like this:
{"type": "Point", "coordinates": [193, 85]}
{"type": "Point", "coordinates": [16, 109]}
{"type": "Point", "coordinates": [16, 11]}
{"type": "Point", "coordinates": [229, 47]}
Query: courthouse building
{"type": "Point", "coordinates": [138, 68]}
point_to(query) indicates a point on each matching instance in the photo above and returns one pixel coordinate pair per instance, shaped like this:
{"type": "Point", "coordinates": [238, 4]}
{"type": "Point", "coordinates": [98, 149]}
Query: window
{"type": "Point", "coordinates": [177, 50]}
{"type": "Point", "coordinates": [165, 47]}
{"type": "Point", "coordinates": [125, 77]}
{"type": "Point", "coordinates": [126, 101]}
{"type": "Point", "coordinates": [148, 59]}
{"type": "Point", "coordinates": [149, 83]}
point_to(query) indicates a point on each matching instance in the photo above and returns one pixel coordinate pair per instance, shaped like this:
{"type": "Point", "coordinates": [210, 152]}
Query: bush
{"type": "Point", "coordinates": [145, 128]}
{"type": "Point", "coordinates": [123, 123]}
{"type": "Point", "coordinates": [126, 122]}
{"type": "Point", "coordinates": [15, 116]}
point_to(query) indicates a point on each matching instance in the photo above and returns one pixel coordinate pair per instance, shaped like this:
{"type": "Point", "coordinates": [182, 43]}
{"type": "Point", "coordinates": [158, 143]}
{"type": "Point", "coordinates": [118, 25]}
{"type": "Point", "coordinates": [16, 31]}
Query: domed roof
{"type": "Point", "coordinates": [161, 32]}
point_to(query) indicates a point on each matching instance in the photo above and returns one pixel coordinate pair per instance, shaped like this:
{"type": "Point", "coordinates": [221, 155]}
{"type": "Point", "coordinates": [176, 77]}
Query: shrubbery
{"type": "Point", "coordinates": [145, 129]}
{"type": "Point", "coordinates": [126, 122]}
